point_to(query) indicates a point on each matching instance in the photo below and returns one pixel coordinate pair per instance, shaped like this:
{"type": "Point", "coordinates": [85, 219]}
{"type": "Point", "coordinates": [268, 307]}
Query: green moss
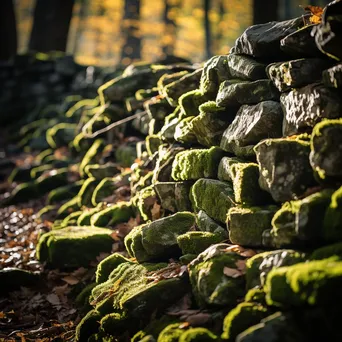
{"type": "Point", "coordinates": [261, 264]}
{"type": "Point", "coordinates": [61, 134]}
{"type": "Point", "coordinates": [82, 299]}
{"type": "Point", "coordinates": [125, 155]}
{"type": "Point", "coordinates": [52, 180]}
{"type": "Point", "coordinates": [242, 317]}
{"type": "Point", "coordinates": [68, 207]}
{"type": "Point", "coordinates": [114, 323]}
{"type": "Point", "coordinates": [86, 192]}
{"type": "Point", "coordinates": [171, 333]}
{"type": "Point", "coordinates": [197, 242]}
{"type": "Point", "coordinates": [116, 213]}
{"type": "Point", "coordinates": [311, 283]}
{"type": "Point", "coordinates": [246, 185]}
{"type": "Point", "coordinates": [212, 196]}
{"type": "Point", "coordinates": [184, 132]}
{"type": "Point", "coordinates": [246, 225]}
{"type": "Point", "coordinates": [73, 246]}
{"type": "Point", "coordinates": [301, 222]}
{"type": "Point", "coordinates": [71, 219]}
{"type": "Point", "coordinates": [195, 164]}
{"type": "Point", "coordinates": [39, 170]}
{"type": "Point", "coordinates": [190, 102]}
{"type": "Point", "coordinates": [333, 217]}
{"type": "Point", "coordinates": [104, 189]}
{"type": "Point", "coordinates": [101, 171]}
{"type": "Point", "coordinates": [256, 295]}
{"type": "Point", "coordinates": [87, 213]}
{"type": "Point", "coordinates": [152, 143]}
{"type": "Point", "coordinates": [92, 155]}
{"type": "Point", "coordinates": [107, 265]}
{"type": "Point", "coordinates": [88, 326]}
{"type": "Point", "coordinates": [210, 285]}
{"type": "Point", "coordinates": [46, 211]}
{"type": "Point", "coordinates": [146, 198]}
{"type": "Point", "coordinates": [198, 335]}
{"type": "Point", "coordinates": [64, 192]}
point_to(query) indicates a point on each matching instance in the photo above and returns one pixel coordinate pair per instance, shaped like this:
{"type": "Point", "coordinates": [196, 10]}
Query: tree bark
{"type": "Point", "coordinates": [8, 30]}
{"type": "Point", "coordinates": [263, 13]}
{"type": "Point", "coordinates": [207, 29]}
{"type": "Point", "coordinates": [131, 48]}
{"type": "Point", "coordinates": [51, 25]}
{"type": "Point", "coordinates": [170, 29]}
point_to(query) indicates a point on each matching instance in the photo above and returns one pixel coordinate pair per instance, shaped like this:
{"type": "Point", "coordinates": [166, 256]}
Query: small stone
{"type": "Point", "coordinates": [326, 150]}
{"type": "Point", "coordinates": [245, 68]}
{"type": "Point", "coordinates": [297, 73]}
{"type": "Point", "coordinates": [284, 167]}
{"type": "Point", "coordinates": [252, 124]}
{"type": "Point", "coordinates": [333, 77]}
{"type": "Point", "coordinates": [246, 93]}
{"type": "Point", "coordinates": [207, 224]}
{"type": "Point", "coordinates": [246, 225]}
{"type": "Point", "coordinates": [305, 107]}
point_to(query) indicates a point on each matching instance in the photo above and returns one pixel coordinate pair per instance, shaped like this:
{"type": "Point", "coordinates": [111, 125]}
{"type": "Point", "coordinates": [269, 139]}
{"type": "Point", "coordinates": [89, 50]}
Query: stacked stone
{"type": "Point", "coordinates": [237, 185]}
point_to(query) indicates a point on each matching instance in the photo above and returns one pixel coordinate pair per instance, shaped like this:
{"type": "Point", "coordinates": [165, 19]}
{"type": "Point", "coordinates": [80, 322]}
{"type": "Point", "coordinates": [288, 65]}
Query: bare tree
{"type": "Point", "coordinates": [132, 41]}
{"type": "Point", "coordinates": [8, 30]}
{"type": "Point", "coordinates": [263, 13]}
{"type": "Point", "coordinates": [170, 30]}
{"type": "Point", "coordinates": [51, 25]}
{"type": "Point", "coordinates": [207, 29]}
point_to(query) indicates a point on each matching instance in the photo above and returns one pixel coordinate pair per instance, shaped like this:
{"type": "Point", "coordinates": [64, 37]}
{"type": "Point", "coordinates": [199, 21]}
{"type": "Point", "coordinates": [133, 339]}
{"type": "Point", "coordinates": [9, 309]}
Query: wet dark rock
{"type": "Point", "coordinates": [333, 77]}
{"type": "Point", "coordinates": [13, 278]}
{"type": "Point", "coordinates": [305, 107]}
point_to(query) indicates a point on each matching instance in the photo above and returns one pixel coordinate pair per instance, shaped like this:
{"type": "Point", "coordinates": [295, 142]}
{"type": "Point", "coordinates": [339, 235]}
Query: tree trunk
{"type": "Point", "coordinates": [51, 25]}
{"type": "Point", "coordinates": [263, 13]}
{"type": "Point", "coordinates": [170, 29]}
{"type": "Point", "coordinates": [207, 28]}
{"type": "Point", "coordinates": [8, 30]}
{"type": "Point", "coordinates": [131, 49]}
{"type": "Point", "coordinates": [81, 26]}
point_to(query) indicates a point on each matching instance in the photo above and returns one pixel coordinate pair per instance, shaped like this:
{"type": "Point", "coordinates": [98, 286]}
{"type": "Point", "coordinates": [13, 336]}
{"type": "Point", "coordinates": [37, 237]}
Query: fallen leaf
{"type": "Point", "coordinates": [184, 325]}
{"type": "Point", "coordinates": [156, 211]}
{"type": "Point", "coordinates": [316, 13]}
{"type": "Point", "coordinates": [53, 299]}
{"type": "Point", "coordinates": [71, 280]}
{"type": "Point", "coordinates": [198, 319]}
{"type": "Point", "coordinates": [2, 315]}
{"type": "Point", "coordinates": [241, 265]}
{"type": "Point", "coordinates": [232, 272]}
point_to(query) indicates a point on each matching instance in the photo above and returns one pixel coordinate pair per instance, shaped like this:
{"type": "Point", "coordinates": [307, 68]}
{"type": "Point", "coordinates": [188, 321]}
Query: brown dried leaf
{"type": "Point", "coordinates": [156, 211]}
{"type": "Point", "coordinates": [71, 280]}
{"type": "Point", "coordinates": [53, 299]}
{"type": "Point", "coordinates": [198, 319]}
{"type": "Point", "coordinates": [241, 266]}
{"type": "Point", "coordinates": [232, 272]}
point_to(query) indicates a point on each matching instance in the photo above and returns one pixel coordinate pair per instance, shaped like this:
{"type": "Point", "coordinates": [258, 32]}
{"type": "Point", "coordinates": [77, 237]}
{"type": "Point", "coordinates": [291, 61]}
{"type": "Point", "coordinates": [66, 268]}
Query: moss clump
{"type": "Point", "coordinates": [184, 131]}
{"type": "Point", "coordinates": [214, 197]}
{"type": "Point", "coordinates": [145, 200]}
{"type": "Point", "coordinates": [115, 323]}
{"type": "Point", "coordinates": [116, 213]}
{"type": "Point", "coordinates": [71, 219]}
{"type": "Point", "coordinates": [152, 143]}
{"type": "Point", "coordinates": [73, 246]}
{"type": "Point", "coordinates": [88, 326]}
{"type": "Point", "coordinates": [246, 225]}
{"type": "Point", "coordinates": [301, 222]}
{"type": "Point", "coordinates": [104, 189]}
{"type": "Point", "coordinates": [256, 295]}
{"type": "Point", "coordinates": [246, 185]}
{"type": "Point", "coordinates": [107, 265]}
{"type": "Point", "coordinates": [82, 299]}
{"type": "Point", "coordinates": [87, 213]}
{"type": "Point", "coordinates": [197, 242]}
{"type": "Point", "coordinates": [198, 335]}
{"type": "Point", "coordinates": [311, 283]}
{"type": "Point", "coordinates": [61, 134]}
{"type": "Point", "coordinates": [39, 170]}
{"type": "Point", "coordinates": [158, 239]}
{"type": "Point", "coordinates": [52, 180]}
{"type": "Point", "coordinates": [190, 102]}
{"type": "Point", "coordinates": [102, 171]}
{"type": "Point", "coordinates": [211, 282]}
{"type": "Point", "coordinates": [261, 264]}
{"type": "Point", "coordinates": [226, 172]}
{"type": "Point", "coordinates": [64, 192]}
{"type": "Point", "coordinates": [171, 333]}
{"type": "Point", "coordinates": [195, 164]}
{"type": "Point", "coordinates": [92, 155]}
{"type": "Point", "coordinates": [242, 317]}
{"type": "Point", "coordinates": [68, 207]}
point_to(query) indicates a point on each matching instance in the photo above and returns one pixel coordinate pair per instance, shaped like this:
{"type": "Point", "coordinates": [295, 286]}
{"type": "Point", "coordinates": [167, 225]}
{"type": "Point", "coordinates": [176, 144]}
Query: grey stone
{"type": "Point", "coordinates": [246, 93]}
{"type": "Point", "coordinates": [297, 73]}
{"type": "Point", "coordinates": [252, 124]}
{"type": "Point", "coordinates": [333, 77]}
{"type": "Point", "coordinates": [225, 171]}
{"type": "Point", "coordinates": [284, 168]}
{"type": "Point", "coordinates": [207, 224]}
{"type": "Point", "coordinates": [305, 107]}
{"type": "Point", "coordinates": [245, 68]}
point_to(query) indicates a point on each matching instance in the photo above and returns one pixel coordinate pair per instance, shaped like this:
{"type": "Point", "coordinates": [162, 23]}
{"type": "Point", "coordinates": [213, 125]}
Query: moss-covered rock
{"type": "Point", "coordinates": [197, 242]}
{"type": "Point", "coordinates": [334, 250]}
{"type": "Point", "coordinates": [92, 155]}
{"type": "Point", "coordinates": [110, 216]}
{"type": "Point", "coordinates": [195, 164]}
{"type": "Point", "coordinates": [51, 180]}
{"type": "Point", "coordinates": [86, 192]}
{"type": "Point", "coordinates": [158, 239]}
{"type": "Point", "coordinates": [152, 143]}
{"type": "Point", "coordinates": [246, 186]}
{"type": "Point", "coordinates": [102, 190]}
{"type": "Point", "coordinates": [171, 333]}
{"type": "Point", "coordinates": [190, 102]}
{"type": "Point", "coordinates": [39, 170]}
{"type": "Point", "coordinates": [301, 222]}
{"type": "Point", "coordinates": [261, 264]}
{"type": "Point", "coordinates": [256, 295]}
{"type": "Point", "coordinates": [20, 174]}
{"type": "Point", "coordinates": [71, 219]}
{"type": "Point", "coordinates": [246, 225]}
{"type": "Point", "coordinates": [22, 193]}
{"type": "Point", "coordinates": [284, 167]}
{"type": "Point", "coordinates": [174, 196]}
{"type": "Point", "coordinates": [198, 335]}
{"type": "Point", "coordinates": [252, 124]}
{"type": "Point", "coordinates": [68, 207]}
{"type": "Point", "coordinates": [145, 201]}
{"type": "Point", "coordinates": [214, 197]}
{"type": "Point", "coordinates": [311, 283]}
{"type": "Point", "coordinates": [184, 131]}
{"type": "Point", "coordinates": [88, 326]}
{"type": "Point", "coordinates": [102, 171]}
{"type": "Point", "coordinates": [61, 134]}
{"type": "Point", "coordinates": [207, 224]}
{"type": "Point", "coordinates": [158, 108]}
{"type": "Point", "coordinates": [73, 246]}
{"type": "Point", "coordinates": [225, 170]}
{"type": "Point", "coordinates": [326, 146]}
{"type": "Point", "coordinates": [64, 192]}
{"type": "Point", "coordinates": [87, 213]}
{"type": "Point", "coordinates": [212, 285]}
{"type": "Point", "coordinates": [241, 318]}
{"type": "Point", "coordinates": [245, 67]}
{"type": "Point", "coordinates": [126, 154]}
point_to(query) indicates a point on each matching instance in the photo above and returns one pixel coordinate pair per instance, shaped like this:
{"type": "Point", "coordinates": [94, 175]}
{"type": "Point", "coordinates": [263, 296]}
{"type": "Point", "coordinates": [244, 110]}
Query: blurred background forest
{"type": "Point", "coordinates": [112, 32]}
